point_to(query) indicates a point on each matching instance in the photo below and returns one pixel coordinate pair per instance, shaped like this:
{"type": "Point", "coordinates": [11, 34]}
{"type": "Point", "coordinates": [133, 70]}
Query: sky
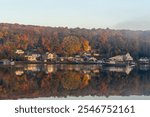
{"type": "Point", "coordinates": [114, 14]}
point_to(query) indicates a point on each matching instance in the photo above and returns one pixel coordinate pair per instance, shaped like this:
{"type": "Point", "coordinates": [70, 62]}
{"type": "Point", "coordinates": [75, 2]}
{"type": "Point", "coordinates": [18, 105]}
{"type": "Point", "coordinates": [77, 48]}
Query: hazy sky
{"type": "Point", "coordinates": [122, 14]}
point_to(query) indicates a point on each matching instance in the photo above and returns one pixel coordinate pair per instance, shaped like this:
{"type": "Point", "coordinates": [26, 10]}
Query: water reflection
{"type": "Point", "coordinates": [126, 69]}
{"type": "Point", "coordinates": [37, 80]}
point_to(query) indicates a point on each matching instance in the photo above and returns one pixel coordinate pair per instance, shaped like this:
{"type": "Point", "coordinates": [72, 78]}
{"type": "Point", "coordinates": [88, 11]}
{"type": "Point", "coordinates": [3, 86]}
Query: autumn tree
{"type": "Point", "coordinates": [71, 45]}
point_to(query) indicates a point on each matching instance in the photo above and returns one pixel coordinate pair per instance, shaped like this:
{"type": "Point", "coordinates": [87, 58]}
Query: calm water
{"type": "Point", "coordinates": [34, 81]}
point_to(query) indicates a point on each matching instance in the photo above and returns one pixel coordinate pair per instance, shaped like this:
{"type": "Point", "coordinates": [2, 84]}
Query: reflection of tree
{"type": "Point", "coordinates": [71, 80]}
{"type": "Point", "coordinates": [74, 80]}
{"type": "Point", "coordinates": [85, 80]}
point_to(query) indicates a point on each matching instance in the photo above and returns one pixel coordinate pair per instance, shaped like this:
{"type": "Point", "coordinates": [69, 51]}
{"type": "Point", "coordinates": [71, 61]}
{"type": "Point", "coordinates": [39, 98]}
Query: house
{"type": "Point", "coordinates": [70, 59]}
{"type": "Point", "coordinates": [121, 58]}
{"type": "Point", "coordinates": [96, 54]}
{"type": "Point", "coordinates": [36, 55]}
{"type": "Point", "coordinates": [78, 58]}
{"type": "Point", "coordinates": [87, 54]}
{"type": "Point", "coordinates": [62, 59]}
{"type": "Point", "coordinates": [92, 59]}
{"type": "Point", "coordinates": [144, 60]}
{"type": "Point", "coordinates": [19, 51]}
{"type": "Point", "coordinates": [49, 56]}
{"type": "Point", "coordinates": [31, 58]}
{"type": "Point", "coordinates": [128, 57]}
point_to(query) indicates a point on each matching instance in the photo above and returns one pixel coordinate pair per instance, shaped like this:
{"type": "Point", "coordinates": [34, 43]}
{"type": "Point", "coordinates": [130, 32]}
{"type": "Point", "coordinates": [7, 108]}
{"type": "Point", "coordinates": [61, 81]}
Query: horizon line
{"type": "Point", "coordinates": [68, 27]}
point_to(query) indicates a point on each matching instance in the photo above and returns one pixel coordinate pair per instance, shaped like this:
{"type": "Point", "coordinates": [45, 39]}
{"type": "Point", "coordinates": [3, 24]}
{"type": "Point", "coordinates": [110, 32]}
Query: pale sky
{"type": "Point", "coordinates": [116, 14]}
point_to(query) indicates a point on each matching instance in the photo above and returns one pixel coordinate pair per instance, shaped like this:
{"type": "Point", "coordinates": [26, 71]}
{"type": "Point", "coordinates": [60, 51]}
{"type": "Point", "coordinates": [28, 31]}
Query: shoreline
{"type": "Point", "coordinates": [40, 62]}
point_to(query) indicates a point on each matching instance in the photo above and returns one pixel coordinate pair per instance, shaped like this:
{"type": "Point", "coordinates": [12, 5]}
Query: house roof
{"type": "Point", "coordinates": [126, 57]}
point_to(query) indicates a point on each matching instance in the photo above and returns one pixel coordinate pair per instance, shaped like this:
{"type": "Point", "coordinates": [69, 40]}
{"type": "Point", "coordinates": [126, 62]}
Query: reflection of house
{"type": "Point", "coordinates": [50, 68]}
{"type": "Point", "coordinates": [19, 51]}
{"type": "Point", "coordinates": [144, 67]}
{"type": "Point", "coordinates": [32, 67]}
{"type": "Point", "coordinates": [85, 80]}
{"type": "Point", "coordinates": [19, 72]}
{"type": "Point", "coordinates": [126, 70]}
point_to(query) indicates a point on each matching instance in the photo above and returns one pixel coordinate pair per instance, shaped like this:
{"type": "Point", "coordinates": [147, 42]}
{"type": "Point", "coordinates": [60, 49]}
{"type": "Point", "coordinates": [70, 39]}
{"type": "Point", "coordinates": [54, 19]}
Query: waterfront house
{"type": "Point", "coordinates": [31, 58]}
{"type": "Point", "coordinates": [144, 60]}
{"type": "Point", "coordinates": [87, 54]}
{"type": "Point", "coordinates": [92, 59]}
{"type": "Point", "coordinates": [19, 51]}
{"type": "Point", "coordinates": [96, 55]}
{"type": "Point", "coordinates": [70, 59]}
{"type": "Point", "coordinates": [78, 58]}
{"type": "Point", "coordinates": [49, 56]}
{"type": "Point", "coordinates": [5, 62]}
{"type": "Point", "coordinates": [119, 60]}
{"type": "Point", "coordinates": [36, 55]}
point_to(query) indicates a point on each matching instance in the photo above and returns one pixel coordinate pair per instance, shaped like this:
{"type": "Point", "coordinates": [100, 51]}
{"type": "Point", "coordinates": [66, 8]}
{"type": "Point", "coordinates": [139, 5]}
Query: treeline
{"type": "Point", "coordinates": [66, 42]}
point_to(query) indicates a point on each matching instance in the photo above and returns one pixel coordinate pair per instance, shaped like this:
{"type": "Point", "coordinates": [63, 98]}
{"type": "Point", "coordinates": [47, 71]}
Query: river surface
{"type": "Point", "coordinates": [60, 81]}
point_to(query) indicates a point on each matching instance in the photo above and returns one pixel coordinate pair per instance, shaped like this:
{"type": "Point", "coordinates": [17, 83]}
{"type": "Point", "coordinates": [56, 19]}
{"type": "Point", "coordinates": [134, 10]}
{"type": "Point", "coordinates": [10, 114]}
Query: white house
{"type": "Point", "coordinates": [36, 55]}
{"type": "Point", "coordinates": [144, 60]}
{"type": "Point", "coordinates": [96, 54]}
{"type": "Point", "coordinates": [50, 56]}
{"type": "Point", "coordinates": [128, 57]}
{"type": "Point", "coordinates": [121, 58]}
{"type": "Point", "coordinates": [31, 58]}
{"type": "Point", "coordinates": [92, 59]}
{"type": "Point", "coordinates": [19, 51]}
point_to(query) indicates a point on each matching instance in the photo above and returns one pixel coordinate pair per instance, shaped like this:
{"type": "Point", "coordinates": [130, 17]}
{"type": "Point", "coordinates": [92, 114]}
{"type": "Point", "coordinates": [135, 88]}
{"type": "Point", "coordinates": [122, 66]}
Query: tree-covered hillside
{"type": "Point", "coordinates": [66, 42]}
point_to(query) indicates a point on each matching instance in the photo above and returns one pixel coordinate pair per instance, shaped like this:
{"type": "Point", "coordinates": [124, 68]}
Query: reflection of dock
{"type": "Point", "coordinates": [126, 69]}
